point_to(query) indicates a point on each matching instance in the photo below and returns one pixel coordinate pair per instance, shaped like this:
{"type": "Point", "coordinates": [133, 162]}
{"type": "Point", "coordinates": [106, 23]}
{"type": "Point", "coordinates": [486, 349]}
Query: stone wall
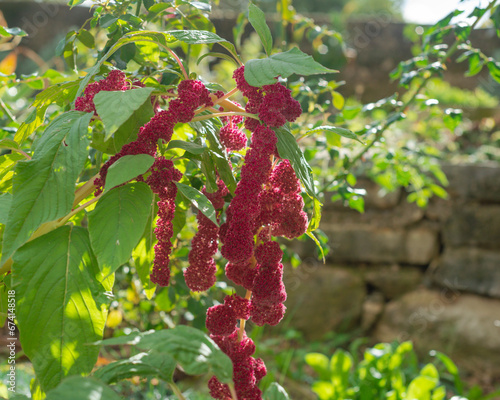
{"type": "Point", "coordinates": [398, 272]}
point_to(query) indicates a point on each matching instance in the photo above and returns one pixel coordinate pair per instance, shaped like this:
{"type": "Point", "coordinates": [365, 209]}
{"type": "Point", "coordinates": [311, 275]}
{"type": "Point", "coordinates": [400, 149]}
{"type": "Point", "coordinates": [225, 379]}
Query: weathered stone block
{"type": "Point", "coordinates": [464, 326]}
{"type": "Point", "coordinates": [473, 225]}
{"type": "Point", "coordinates": [382, 245]}
{"type": "Point", "coordinates": [393, 280]}
{"type": "Point", "coordinates": [469, 269]}
{"type": "Point", "coordinates": [323, 298]}
{"type": "Point", "coordinates": [474, 182]}
{"type": "Point", "coordinates": [372, 310]}
{"type": "Point", "coordinates": [404, 214]}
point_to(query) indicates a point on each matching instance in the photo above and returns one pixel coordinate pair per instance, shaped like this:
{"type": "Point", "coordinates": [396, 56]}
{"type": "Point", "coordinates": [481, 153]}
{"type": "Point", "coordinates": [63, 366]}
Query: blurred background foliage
{"type": "Point", "coordinates": [433, 130]}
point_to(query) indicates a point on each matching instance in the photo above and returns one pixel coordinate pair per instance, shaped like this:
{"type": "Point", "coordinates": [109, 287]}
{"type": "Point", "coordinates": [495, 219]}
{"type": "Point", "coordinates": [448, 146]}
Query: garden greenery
{"type": "Point", "coordinates": [104, 170]}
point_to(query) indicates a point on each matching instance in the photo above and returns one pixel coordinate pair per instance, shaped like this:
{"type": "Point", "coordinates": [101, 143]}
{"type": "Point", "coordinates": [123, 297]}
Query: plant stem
{"type": "Point", "coordinates": [186, 76]}
{"type": "Point", "coordinates": [224, 102]}
{"type": "Point", "coordinates": [224, 114]}
{"type": "Point", "coordinates": [176, 391]}
{"type": "Point", "coordinates": [234, 396]}
{"type": "Point", "coordinates": [19, 151]}
{"type": "Point", "coordinates": [3, 106]}
{"type": "Point", "coordinates": [65, 219]}
{"type": "Point", "coordinates": [84, 190]}
{"type": "Point", "coordinates": [248, 296]}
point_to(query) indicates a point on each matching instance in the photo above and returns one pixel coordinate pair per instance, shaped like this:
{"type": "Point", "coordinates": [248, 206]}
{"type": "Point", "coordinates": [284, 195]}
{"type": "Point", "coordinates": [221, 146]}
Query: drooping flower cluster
{"type": "Point", "coordinates": [200, 275]}
{"type": "Point", "coordinates": [268, 293]}
{"type": "Point", "coordinates": [247, 370]}
{"type": "Point", "coordinates": [266, 203]}
{"type": "Point", "coordinates": [282, 205]}
{"type": "Point", "coordinates": [191, 94]}
{"type": "Point", "coordinates": [244, 213]}
{"type": "Point", "coordinates": [162, 182]}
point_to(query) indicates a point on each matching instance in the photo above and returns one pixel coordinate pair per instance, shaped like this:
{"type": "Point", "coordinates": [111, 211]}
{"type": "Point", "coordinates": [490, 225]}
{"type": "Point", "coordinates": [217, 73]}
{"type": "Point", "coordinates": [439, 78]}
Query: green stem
{"type": "Point", "coordinates": [85, 190]}
{"type": "Point", "coordinates": [7, 111]}
{"type": "Point", "coordinates": [176, 391]}
{"type": "Point", "coordinates": [65, 219]}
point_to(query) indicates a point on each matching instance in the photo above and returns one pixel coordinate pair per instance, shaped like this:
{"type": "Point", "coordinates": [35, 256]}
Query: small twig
{"type": "Point", "coordinates": [7, 111]}
{"type": "Point", "coordinates": [225, 114]}
{"type": "Point", "coordinates": [19, 151]}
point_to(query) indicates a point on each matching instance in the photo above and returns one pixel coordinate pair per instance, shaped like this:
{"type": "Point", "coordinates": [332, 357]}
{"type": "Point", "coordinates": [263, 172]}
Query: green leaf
{"type": "Point", "coordinates": [127, 168]}
{"type": "Point", "coordinates": [494, 68]}
{"type": "Point", "coordinates": [289, 149]}
{"type": "Point", "coordinates": [451, 368]}
{"type": "Point", "coordinates": [43, 187]}
{"type": "Point", "coordinates": [117, 223]}
{"type": "Point", "coordinates": [157, 364]}
{"type": "Point", "coordinates": [181, 207]}
{"type": "Point", "coordinates": [335, 129]}
{"type": "Point", "coordinates": [430, 370]}
{"type": "Point", "coordinates": [315, 240]}
{"type": "Point", "coordinates": [116, 108]}
{"type": "Point", "coordinates": [80, 388]}
{"type": "Point", "coordinates": [33, 121]}
{"type": "Point", "coordinates": [4, 31]}
{"type": "Point", "coordinates": [4, 304]}
{"type": "Point", "coordinates": [439, 393]}
{"type": "Point", "coordinates": [190, 147]}
{"type": "Point", "coordinates": [325, 390]}
{"type": "Point", "coordinates": [196, 37]}
{"type": "Point", "coordinates": [55, 93]}
{"type": "Point", "coordinates": [258, 20]}
{"type": "Point", "coordinates": [340, 365]}
{"type": "Point", "coordinates": [264, 71]}
{"type": "Point", "coordinates": [5, 202]}
{"type": "Point", "coordinates": [420, 387]}
{"type": "Point", "coordinates": [8, 144]}
{"type": "Point", "coordinates": [73, 3]}
{"type": "Point", "coordinates": [190, 347]}
{"type": "Point", "coordinates": [224, 170]}
{"type": "Point", "coordinates": [126, 133]}
{"type": "Point", "coordinates": [209, 129]}
{"type": "Point", "coordinates": [475, 64]}
{"type": "Point", "coordinates": [86, 38]}
{"type": "Point", "coordinates": [276, 392]}
{"type": "Point", "coordinates": [143, 256]}
{"type": "Point", "coordinates": [217, 55]}
{"type": "Point", "coordinates": [357, 203]}
{"type": "Point", "coordinates": [57, 292]}
{"type": "Point", "coordinates": [208, 169]}
{"type": "Point", "coordinates": [320, 363]}
{"type": "Point", "coordinates": [316, 218]}
{"type": "Point", "coordinates": [199, 200]}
